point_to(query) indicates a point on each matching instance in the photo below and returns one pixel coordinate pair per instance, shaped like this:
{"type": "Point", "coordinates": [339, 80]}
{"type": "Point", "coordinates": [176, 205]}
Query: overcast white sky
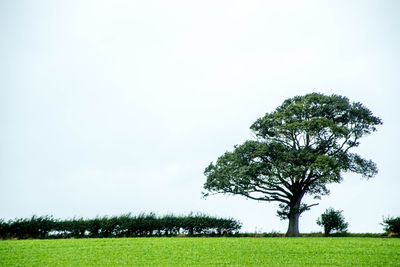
{"type": "Point", "coordinates": [109, 107]}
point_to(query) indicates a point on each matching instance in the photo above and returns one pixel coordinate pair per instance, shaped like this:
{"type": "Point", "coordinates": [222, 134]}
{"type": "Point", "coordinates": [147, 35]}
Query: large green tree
{"type": "Point", "coordinates": [298, 150]}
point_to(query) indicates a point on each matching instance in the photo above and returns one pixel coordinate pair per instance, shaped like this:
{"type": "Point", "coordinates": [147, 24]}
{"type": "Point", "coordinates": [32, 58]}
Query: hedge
{"type": "Point", "coordinates": [127, 225]}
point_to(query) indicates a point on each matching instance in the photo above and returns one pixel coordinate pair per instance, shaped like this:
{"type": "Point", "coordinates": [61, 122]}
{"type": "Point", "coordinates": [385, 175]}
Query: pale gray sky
{"type": "Point", "coordinates": [109, 107]}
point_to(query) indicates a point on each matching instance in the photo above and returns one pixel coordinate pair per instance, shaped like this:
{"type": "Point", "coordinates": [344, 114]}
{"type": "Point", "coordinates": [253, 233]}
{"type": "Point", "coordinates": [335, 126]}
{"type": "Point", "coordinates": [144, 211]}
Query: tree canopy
{"type": "Point", "coordinates": [298, 150]}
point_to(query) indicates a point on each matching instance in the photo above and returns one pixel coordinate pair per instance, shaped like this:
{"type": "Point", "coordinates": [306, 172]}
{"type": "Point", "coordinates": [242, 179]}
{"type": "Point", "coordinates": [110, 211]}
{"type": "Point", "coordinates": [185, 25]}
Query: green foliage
{"type": "Point", "coordinates": [34, 227]}
{"type": "Point", "coordinates": [392, 225]}
{"type": "Point", "coordinates": [125, 225]}
{"type": "Point", "coordinates": [299, 149]}
{"type": "Point", "coordinates": [4, 229]}
{"type": "Point", "coordinates": [332, 220]}
{"type": "Point", "coordinates": [338, 251]}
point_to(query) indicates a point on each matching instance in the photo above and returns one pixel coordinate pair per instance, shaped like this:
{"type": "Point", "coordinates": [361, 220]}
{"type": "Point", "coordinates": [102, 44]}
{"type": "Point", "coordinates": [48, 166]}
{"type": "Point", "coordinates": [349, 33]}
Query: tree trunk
{"type": "Point", "coordinates": [327, 230]}
{"type": "Point", "coordinates": [294, 214]}
{"type": "Point", "coordinates": [293, 229]}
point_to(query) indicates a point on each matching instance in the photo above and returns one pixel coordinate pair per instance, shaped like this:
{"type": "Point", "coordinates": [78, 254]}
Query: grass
{"type": "Point", "coordinates": [311, 251]}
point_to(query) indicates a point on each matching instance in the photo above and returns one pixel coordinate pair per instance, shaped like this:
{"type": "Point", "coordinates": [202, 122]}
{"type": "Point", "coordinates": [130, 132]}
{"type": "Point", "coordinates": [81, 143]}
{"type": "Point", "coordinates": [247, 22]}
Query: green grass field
{"type": "Point", "coordinates": [309, 251]}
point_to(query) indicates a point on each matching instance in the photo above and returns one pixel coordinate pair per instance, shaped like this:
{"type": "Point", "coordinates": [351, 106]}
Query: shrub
{"type": "Point", "coordinates": [391, 225]}
{"type": "Point", "coordinates": [332, 220]}
{"type": "Point", "coordinates": [4, 229]}
{"type": "Point", "coordinates": [172, 225]}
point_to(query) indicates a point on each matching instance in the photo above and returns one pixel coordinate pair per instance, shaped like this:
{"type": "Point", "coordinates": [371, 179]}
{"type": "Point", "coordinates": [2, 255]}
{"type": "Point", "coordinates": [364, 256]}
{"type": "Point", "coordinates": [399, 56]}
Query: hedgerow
{"type": "Point", "coordinates": [127, 225]}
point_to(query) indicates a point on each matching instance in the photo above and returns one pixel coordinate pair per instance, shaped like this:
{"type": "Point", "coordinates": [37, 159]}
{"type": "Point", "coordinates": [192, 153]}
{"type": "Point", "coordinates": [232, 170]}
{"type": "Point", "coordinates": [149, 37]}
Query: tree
{"type": "Point", "coordinates": [298, 150]}
{"type": "Point", "coordinates": [332, 220]}
{"type": "Point", "coordinates": [392, 225]}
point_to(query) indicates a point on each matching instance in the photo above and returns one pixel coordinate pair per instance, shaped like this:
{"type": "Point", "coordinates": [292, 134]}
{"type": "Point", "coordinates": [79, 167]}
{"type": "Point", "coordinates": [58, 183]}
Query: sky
{"type": "Point", "coordinates": [110, 107]}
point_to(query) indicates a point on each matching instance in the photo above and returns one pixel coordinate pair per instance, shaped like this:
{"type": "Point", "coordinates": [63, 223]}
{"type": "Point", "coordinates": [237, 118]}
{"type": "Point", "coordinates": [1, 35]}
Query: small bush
{"type": "Point", "coordinates": [391, 225]}
{"type": "Point", "coordinates": [332, 220]}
